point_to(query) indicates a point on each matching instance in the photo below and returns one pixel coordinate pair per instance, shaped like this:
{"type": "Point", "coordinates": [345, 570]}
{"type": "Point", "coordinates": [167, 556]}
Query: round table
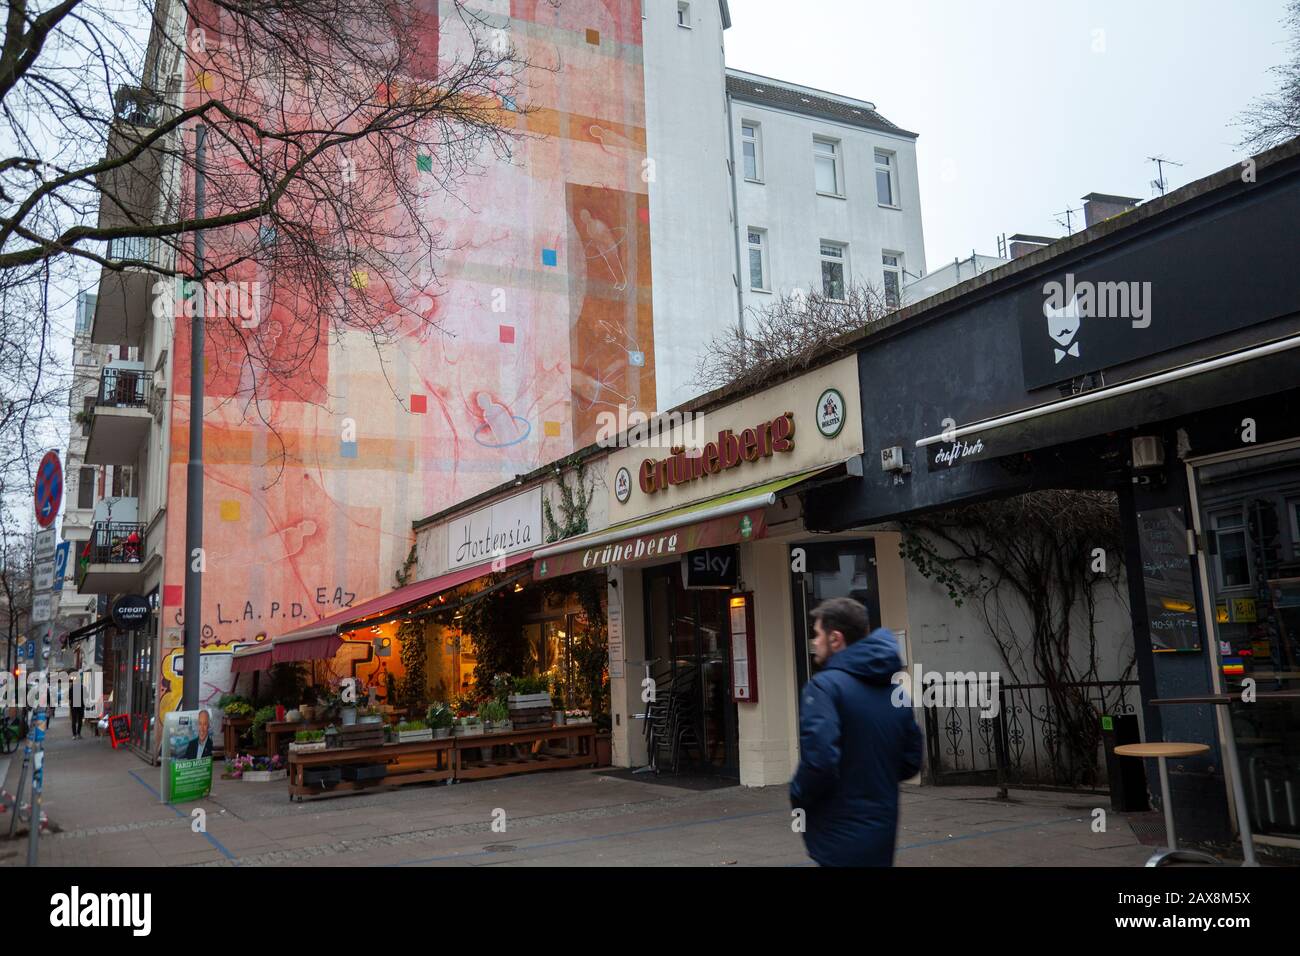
{"type": "Point", "coordinates": [1162, 751]}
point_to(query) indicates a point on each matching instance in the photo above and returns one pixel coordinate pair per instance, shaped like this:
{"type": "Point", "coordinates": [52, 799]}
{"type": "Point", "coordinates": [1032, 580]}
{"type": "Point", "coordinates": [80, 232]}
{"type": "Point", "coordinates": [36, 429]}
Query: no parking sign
{"type": "Point", "coordinates": [49, 489]}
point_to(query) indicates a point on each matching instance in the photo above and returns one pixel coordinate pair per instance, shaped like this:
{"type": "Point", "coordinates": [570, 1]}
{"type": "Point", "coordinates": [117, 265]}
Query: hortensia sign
{"type": "Point", "coordinates": [504, 528]}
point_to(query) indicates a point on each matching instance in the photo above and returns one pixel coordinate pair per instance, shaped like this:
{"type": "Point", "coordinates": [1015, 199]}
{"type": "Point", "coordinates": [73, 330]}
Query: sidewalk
{"type": "Point", "coordinates": [103, 808]}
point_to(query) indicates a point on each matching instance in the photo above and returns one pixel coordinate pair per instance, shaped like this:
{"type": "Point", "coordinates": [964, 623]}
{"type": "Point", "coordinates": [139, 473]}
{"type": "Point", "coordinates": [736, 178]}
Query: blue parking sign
{"type": "Point", "coordinates": [61, 563]}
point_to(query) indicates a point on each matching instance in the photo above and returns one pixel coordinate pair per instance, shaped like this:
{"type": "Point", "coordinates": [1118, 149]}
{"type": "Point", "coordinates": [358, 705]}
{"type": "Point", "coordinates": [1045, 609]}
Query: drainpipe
{"type": "Point", "coordinates": [735, 215]}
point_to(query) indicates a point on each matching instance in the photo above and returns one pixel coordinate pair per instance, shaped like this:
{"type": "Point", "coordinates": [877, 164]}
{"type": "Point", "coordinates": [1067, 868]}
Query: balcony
{"type": "Point", "coordinates": [129, 192]}
{"type": "Point", "coordinates": [124, 305]}
{"type": "Point", "coordinates": [121, 419]}
{"type": "Point", "coordinates": [112, 561]}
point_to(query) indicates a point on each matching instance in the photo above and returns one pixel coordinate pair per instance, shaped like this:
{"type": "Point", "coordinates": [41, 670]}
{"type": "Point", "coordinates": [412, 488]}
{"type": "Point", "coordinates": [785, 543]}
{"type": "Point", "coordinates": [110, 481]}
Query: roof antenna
{"type": "Point", "coordinates": [1160, 184]}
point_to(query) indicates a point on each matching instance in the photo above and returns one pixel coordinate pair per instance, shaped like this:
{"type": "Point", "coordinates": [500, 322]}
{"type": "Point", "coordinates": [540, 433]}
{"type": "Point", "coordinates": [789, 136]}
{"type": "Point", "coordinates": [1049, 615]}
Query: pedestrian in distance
{"type": "Point", "coordinates": [855, 744]}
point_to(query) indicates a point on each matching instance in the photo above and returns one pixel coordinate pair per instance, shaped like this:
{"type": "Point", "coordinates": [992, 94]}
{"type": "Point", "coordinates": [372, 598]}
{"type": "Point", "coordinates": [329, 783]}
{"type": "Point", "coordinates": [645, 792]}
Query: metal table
{"type": "Point", "coordinates": [1232, 767]}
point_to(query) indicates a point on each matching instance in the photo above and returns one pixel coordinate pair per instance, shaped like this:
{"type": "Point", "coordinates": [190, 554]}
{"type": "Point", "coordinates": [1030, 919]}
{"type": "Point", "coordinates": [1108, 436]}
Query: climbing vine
{"type": "Point", "coordinates": [1034, 566]}
{"type": "Point", "coordinates": [575, 499]}
{"type": "Point", "coordinates": [413, 691]}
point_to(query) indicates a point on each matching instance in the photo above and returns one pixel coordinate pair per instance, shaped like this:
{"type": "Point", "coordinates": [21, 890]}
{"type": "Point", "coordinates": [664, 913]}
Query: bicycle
{"type": "Point", "coordinates": [10, 731]}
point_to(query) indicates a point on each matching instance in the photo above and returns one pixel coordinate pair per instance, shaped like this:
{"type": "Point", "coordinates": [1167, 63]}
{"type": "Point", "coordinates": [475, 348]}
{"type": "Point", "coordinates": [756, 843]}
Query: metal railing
{"type": "Point", "coordinates": [112, 542]}
{"type": "Point", "coordinates": [137, 106]}
{"type": "Point", "coordinates": [1041, 736]}
{"type": "Point", "coordinates": [131, 248]}
{"type": "Point", "coordinates": [124, 387]}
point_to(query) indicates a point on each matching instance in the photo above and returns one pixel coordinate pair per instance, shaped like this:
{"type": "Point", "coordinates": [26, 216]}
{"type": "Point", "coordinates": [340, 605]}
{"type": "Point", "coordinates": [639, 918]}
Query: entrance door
{"type": "Point", "coordinates": [687, 641]}
{"type": "Point", "coordinates": [1248, 512]}
{"type": "Point", "coordinates": [832, 569]}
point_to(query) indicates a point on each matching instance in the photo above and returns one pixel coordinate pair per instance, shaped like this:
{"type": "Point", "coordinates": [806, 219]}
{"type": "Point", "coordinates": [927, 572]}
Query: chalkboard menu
{"type": "Point", "coordinates": [119, 729]}
{"type": "Point", "coordinates": [1167, 576]}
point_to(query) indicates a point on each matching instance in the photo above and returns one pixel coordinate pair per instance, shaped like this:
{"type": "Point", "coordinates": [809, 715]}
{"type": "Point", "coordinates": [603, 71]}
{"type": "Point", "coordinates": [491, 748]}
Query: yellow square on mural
{"type": "Point", "coordinates": [230, 511]}
{"type": "Point", "coordinates": [204, 81]}
{"type": "Point", "coordinates": [551, 429]}
{"type": "Point", "coordinates": [360, 279]}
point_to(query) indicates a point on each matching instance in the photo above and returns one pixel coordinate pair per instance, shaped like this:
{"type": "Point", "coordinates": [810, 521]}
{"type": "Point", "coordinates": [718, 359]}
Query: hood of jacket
{"type": "Point", "coordinates": [873, 659]}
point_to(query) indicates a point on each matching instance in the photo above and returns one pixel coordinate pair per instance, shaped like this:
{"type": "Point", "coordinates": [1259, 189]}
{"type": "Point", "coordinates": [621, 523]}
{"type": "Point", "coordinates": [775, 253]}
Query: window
{"type": "Point", "coordinates": [886, 191]}
{"type": "Point", "coordinates": [893, 263]}
{"type": "Point", "coordinates": [85, 311]}
{"type": "Point", "coordinates": [86, 488]}
{"type": "Point", "coordinates": [123, 486]}
{"type": "Point", "coordinates": [751, 151]}
{"type": "Point", "coordinates": [1233, 561]}
{"type": "Point", "coordinates": [826, 158]}
{"type": "Point", "coordinates": [87, 410]}
{"type": "Point", "coordinates": [684, 15]}
{"type": "Point", "coordinates": [758, 259]}
{"type": "Point", "coordinates": [833, 270]}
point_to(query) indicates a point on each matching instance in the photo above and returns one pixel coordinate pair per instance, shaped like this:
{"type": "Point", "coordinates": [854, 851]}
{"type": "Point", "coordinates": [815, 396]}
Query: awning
{"type": "Point", "coordinates": [253, 657]}
{"type": "Point", "coordinates": [88, 629]}
{"type": "Point", "coordinates": [1149, 398]}
{"type": "Point", "coordinates": [328, 628]}
{"type": "Point", "coordinates": [726, 519]}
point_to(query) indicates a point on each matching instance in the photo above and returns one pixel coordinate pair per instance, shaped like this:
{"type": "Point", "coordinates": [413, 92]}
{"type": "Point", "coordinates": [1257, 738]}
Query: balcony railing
{"type": "Point", "coordinates": [137, 106]}
{"type": "Point", "coordinates": [132, 248]}
{"type": "Point", "coordinates": [111, 542]}
{"type": "Point", "coordinates": [124, 388]}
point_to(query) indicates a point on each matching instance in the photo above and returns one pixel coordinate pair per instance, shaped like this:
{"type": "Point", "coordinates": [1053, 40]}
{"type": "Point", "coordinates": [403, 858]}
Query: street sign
{"type": "Point", "coordinates": [43, 576]}
{"type": "Point", "coordinates": [42, 608]}
{"type": "Point", "coordinates": [45, 544]}
{"type": "Point", "coordinates": [31, 650]}
{"type": "Point", "coordinates": [49, 489]}
{"type": "Point", "coordinates": [61, 563]}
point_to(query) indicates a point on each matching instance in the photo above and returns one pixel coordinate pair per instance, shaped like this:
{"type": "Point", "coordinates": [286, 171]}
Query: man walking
{"type": "Point", "coordinates": [855, 744]}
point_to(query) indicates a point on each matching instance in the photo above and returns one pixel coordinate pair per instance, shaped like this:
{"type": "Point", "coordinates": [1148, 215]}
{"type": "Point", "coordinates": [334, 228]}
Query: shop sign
{"type": "Point", "coordinates": [130, 612]}
{"type": "Point", "coordinates": [766, 439]}
{"type": "Point", "coordinates": [731, 529]}
{"type": "Point", "coordinates": [830, 413]}
{"type": "Point", "coordinates": [623, 485]}
{"type": "Point", "coordinates": [711, 568]}
{"type": "Point", "coordinates": [945, 455]}
{"type": "Point", "coordinates": [504, 528]}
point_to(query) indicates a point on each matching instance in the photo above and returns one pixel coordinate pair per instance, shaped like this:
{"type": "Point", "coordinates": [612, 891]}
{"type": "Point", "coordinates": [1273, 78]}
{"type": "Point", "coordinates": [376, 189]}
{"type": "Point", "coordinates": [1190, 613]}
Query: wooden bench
{"type": "Point", "coordinates": [421, 761]}
{"type": "Point", "coordinates": [534, 739]}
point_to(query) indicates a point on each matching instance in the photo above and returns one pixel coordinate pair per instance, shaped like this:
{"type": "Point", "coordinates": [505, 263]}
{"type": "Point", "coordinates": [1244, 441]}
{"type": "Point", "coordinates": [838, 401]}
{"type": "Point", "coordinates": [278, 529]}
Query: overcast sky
{"type": "Point", "coordinates": [1018, 116]}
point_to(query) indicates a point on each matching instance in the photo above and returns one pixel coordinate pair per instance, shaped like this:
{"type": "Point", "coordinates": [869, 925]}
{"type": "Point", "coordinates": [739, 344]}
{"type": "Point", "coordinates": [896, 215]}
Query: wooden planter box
{"type": "Point", "coordinates": [264, 776]}
{"type": "Point", "coordinates": [528, 701]}
{"type": "Point", "coordinates": [306, 747]}
{"type": "Point", "coordinates": [529, 711]}
{"type": "Point", "coordinates": [467, 730]}
{"type": "Point", "coordinates": [361, 735]}
{"type": "Point", "coordinates": [407, 736]}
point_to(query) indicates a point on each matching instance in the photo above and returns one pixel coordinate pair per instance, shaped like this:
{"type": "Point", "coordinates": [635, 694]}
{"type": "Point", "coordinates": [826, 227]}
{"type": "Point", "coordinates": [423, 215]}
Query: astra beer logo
{"type": "Point", "coordinates": [729, 451]}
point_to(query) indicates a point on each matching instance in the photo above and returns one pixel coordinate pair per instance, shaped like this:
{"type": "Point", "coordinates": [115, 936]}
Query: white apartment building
{"type": "Point", "coordinates": [761, 187]}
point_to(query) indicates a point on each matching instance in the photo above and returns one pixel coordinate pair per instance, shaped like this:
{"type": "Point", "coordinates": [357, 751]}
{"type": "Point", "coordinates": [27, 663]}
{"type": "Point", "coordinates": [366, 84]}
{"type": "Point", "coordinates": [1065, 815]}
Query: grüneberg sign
{"type": "Point", "coordinates": [729, 451]}
{"type": "Point", "coordinates": [506, 527]}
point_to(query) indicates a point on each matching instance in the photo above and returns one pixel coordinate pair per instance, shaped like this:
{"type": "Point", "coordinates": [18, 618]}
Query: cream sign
{"type": "Point", "coordinates": [499, 530]}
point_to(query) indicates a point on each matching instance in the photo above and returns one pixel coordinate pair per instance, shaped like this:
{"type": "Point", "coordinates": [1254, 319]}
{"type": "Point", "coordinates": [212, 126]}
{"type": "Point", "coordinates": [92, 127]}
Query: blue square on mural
{"type": "Point", "coordinates": [550, 257]}
{"type": "Point", "coordinates": [509, 103]}
{"type": "Point", "coordinates": [636, 359]}
{"type": "Point", "coordinates": [348, 449]}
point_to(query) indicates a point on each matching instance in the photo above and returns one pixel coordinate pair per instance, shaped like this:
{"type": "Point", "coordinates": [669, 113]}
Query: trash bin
{"type": "Point", "coordinates": [1127, 776]}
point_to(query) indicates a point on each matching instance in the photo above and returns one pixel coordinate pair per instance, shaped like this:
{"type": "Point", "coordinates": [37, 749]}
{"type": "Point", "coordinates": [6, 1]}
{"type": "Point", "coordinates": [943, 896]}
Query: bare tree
{"type": "Point", "coordinates": [328, 128]}
{"type": "Point", "coordinates": [1275, 118]}
{"type": "Point", "coordinates": [798, 328]}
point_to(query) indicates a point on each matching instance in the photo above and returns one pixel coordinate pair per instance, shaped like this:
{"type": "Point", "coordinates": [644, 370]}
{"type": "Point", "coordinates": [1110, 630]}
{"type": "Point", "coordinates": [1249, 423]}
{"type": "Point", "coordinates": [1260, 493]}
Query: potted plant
{"type": "Point", "coordinates": [412, 730]}
{"type": "Point", "coordinates": [370, 715]}
{"type": "Point", "coordinates": [333, 739]}
{"type": "Point", "coordinates": [252, 769]}
{"type": "Point", "coordinates": [260, 720]}
{"type": "Point", "coordinates": [468, 727]}
{"type": "Point", "coordinates": [440, 719]}
{"type": "Point", "coordinates": [495, 716]}
{"type": "Point", "coordinates": [307, 741]}
{"type": "Point", "coordinates": [529, 702]}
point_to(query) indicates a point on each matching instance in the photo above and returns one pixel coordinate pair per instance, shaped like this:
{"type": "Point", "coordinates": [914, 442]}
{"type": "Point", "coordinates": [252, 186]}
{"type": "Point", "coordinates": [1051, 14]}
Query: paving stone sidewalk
{"type": "Point", "coordinates": [103, 806]}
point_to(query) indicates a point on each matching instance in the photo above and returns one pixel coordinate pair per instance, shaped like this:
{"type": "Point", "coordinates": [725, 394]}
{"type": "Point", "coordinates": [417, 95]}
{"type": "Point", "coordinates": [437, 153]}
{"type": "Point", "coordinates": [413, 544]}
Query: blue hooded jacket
{"type": "Point", "coordinates": [855, 746]}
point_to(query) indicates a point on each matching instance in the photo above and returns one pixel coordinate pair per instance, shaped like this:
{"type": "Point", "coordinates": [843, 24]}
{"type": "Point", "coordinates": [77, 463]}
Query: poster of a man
{"type": "Point", "coordinates": [201, 746]}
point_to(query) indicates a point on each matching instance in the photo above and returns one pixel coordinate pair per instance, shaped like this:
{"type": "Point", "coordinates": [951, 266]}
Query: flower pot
{"type": "Point", "coordinates": [348, 715]}
{"type": "Point", "coordinates": [558, 717]}
{"type": "Point", "coordinates": [264, 776]}
{"type": "Point", "coordinates": [371, 719]}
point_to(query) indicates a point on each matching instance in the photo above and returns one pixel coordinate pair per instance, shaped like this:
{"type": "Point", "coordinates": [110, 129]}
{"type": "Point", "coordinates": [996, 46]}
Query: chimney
{"type": "Point", "coordinates": [1023, 245]}
{"type": "Point", "coordinates": [1098, 207]}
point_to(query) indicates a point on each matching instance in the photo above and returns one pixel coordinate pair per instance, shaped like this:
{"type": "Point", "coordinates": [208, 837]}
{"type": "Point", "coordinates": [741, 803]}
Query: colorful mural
{"type": "Point", "coordinates": [542, 295]}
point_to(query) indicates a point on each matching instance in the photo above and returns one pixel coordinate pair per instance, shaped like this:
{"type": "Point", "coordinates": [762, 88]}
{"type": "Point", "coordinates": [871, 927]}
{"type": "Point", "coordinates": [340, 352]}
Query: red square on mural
{"type": "Point", "coordinates": [173, 595]}
{"type": "Point", "coordinates": [507, 334]}
{"type": "Point", "coordinates": [419, 404]}
{"type": "Point", "coordinates": [643, 213]}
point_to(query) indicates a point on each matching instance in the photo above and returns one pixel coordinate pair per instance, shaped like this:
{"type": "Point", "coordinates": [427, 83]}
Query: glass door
{"type": "Point", "coordinates": [687, 642]}
{"type": "Point", "coordinates": [831, 569]}
{"type": "Point", "coordinates": [1249, 514]}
